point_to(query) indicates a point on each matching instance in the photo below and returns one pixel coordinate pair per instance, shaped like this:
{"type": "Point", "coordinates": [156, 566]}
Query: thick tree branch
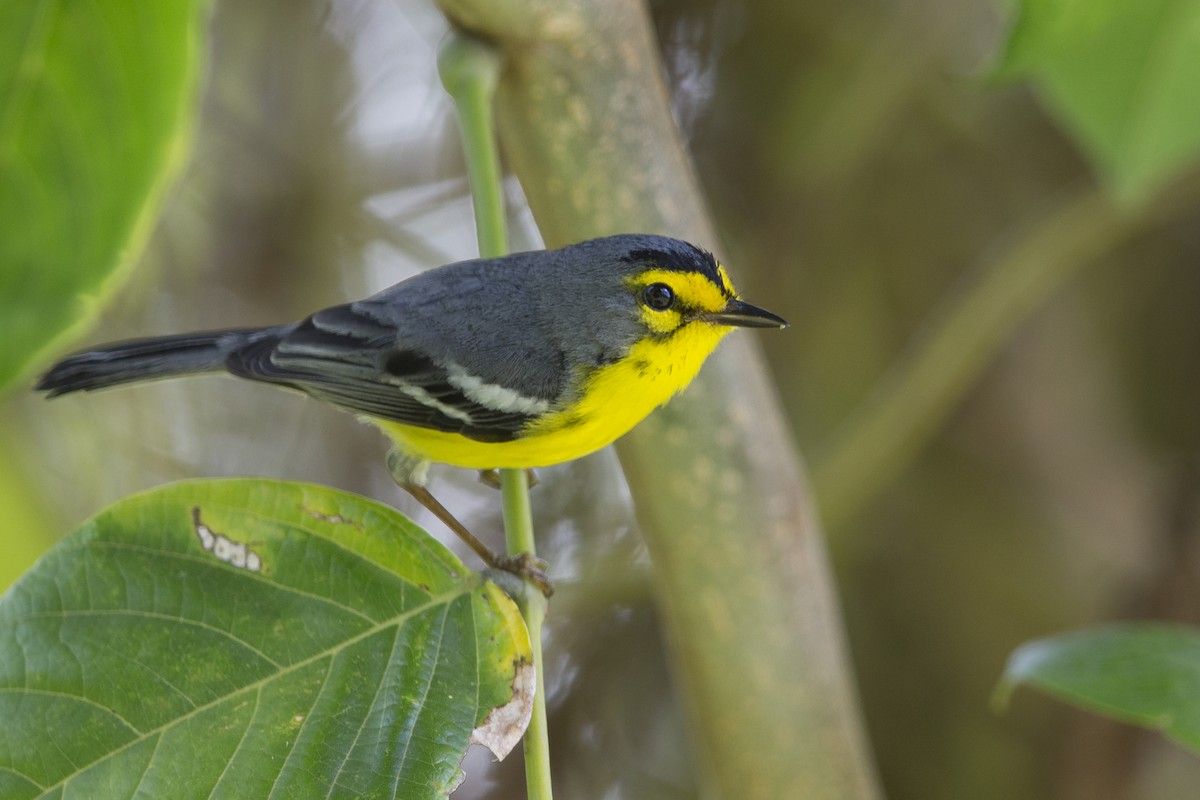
{"type": "Point", "coordinates": [584, 120]}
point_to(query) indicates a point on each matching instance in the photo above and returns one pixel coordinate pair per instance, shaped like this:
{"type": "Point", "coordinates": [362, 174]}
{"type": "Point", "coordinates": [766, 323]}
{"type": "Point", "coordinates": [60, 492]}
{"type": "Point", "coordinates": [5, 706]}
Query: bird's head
{"type": "Point", "coordinates": [649, 292]}
{"type": "Point", "coordinates": [676, 285]}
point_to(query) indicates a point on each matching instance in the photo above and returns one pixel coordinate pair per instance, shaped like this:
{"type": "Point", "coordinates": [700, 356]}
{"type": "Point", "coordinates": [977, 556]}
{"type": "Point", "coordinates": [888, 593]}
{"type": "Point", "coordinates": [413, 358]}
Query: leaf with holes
{"type": "Point", "coordinates": [97, 102]}
{"type": "Point", "coordinates": [250, 638]}
{"type": "Point", "coordinates": [1145, 674]}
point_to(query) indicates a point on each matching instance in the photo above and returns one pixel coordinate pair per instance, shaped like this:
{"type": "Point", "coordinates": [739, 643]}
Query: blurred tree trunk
{"type": "Point", "coordinates": [740, 567]}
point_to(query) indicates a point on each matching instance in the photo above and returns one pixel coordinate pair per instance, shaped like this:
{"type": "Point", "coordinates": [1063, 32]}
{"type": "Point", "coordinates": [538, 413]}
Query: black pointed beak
{"type": "Point", "coordinates": [743, 315]}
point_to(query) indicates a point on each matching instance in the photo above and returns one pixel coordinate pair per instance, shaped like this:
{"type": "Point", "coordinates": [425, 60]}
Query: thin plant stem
{"type": "Point", "coordinates": [469, 70]}
{"type": "Point", "coordinates": [518, 527]}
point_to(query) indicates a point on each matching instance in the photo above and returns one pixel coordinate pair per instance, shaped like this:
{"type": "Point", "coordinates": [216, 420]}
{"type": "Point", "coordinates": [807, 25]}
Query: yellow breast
{"type": "Point", "coordinates": [613, 399]}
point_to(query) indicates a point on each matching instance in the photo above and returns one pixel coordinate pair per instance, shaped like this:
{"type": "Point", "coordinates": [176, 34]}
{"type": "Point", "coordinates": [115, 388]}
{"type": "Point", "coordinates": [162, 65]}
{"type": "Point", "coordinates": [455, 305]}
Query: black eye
{"type": "Point", "coordinates": [658, 296]}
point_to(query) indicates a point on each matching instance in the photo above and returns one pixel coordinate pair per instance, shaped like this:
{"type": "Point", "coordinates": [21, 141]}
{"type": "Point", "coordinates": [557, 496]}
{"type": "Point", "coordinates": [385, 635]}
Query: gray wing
{"type": "Point", "coordinates": [353, 357]}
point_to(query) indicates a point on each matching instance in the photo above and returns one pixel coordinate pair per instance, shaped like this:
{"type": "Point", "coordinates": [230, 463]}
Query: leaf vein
{"type": "Point", "coordinates": [23, 690]}
{"type": "Point", "coordinates": [374, 699]}
{"type": "Point", "coordinates": [437, 656]}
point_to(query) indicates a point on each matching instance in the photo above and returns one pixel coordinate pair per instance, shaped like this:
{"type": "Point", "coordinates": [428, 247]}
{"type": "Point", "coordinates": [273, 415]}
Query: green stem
{"type": "Point", "coordinates": [469, 70]}
{"type": "Point", "coordinates": [518, 529]}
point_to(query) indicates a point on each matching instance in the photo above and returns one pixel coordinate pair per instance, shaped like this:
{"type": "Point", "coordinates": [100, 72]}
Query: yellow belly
{"type": "Point", "coordinates": [614, 399]}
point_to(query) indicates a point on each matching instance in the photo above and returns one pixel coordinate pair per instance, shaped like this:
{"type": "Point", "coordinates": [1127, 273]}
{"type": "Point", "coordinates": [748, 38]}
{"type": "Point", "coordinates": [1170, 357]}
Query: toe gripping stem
{"type": "Point", "coordinates": [409, 473]}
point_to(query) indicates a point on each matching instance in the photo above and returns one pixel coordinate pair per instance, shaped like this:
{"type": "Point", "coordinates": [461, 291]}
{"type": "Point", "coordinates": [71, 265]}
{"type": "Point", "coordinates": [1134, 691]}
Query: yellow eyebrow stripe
{"type": "Point", "coordinates": [692, 288]}
{"type": "Point", "coordinates": [725, 282]}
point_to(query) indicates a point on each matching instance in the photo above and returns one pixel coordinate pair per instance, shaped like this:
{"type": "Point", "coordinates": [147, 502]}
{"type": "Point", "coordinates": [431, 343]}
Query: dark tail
{"type": "Point", "coordinates": [150, 359]}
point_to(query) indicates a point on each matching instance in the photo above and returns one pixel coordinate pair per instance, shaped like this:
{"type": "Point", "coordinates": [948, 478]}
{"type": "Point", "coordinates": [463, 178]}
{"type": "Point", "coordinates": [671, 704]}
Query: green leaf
{"type": "Point", "coordinates": [1121, 77]}
{"type": "Point", "coordinates": [1146, 674]}
{"type": "Point", "coordinates": [96, 107]}
{"type": "Point", "coordinates": [246, 638]}
{"type": "Point", "coordinates": [25, 533]}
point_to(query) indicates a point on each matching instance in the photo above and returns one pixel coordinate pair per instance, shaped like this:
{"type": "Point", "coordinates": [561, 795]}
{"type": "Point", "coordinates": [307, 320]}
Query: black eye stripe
{"type": "Point", "coordinates": [658, 296]}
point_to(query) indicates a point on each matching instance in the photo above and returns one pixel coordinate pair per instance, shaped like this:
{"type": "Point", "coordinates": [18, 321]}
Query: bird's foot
{"type": "Point", "coordinates": [528, 567]}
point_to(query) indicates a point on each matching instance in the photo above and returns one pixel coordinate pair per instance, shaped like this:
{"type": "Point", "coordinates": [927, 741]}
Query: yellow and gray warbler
{"type": "Point", "coordinates": [523, 361]}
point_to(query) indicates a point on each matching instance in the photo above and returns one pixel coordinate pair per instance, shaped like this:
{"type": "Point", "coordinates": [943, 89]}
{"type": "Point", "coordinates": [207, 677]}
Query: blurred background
{"type": "Point", "coordinates": [869, 175]}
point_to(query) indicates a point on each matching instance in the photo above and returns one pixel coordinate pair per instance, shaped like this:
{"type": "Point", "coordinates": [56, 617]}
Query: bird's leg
{"type": "Point", "coordinates": [491, 477]}
{"type": "Point", "coordinates": [409, 475]}
{"type": "Point", "coordinates": [525, 565]}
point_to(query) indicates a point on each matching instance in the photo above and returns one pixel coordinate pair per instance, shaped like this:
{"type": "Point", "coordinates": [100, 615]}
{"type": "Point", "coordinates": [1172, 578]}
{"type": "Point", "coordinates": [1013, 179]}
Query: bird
{"type": "Point", "coordinates": [517, 362]}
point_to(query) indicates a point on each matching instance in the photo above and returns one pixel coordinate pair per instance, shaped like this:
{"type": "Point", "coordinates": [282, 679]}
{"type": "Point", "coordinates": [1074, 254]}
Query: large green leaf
{"type": "Point", "coordinates": [1146, 674]}
{"type": "Point", "coordinates": [96, 105]}
{"type": "Point", "coordinates": [248, 638]}
{"type": "Point", "coordinates": [1122, 78]}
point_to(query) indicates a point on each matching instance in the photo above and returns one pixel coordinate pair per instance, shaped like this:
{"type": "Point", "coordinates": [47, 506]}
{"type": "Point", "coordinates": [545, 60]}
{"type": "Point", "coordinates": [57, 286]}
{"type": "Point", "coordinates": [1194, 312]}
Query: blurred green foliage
{"type": "Point", "coordinates": [1120, 77]}
{"type": "Point", "coordinates": [860, 166]}
{"type": "Point", "coordinates": [99, 104]}
{"type": "Point", "coordinates": [1145, 674]}
{"type": "Point", "coordinates": [871, 174]}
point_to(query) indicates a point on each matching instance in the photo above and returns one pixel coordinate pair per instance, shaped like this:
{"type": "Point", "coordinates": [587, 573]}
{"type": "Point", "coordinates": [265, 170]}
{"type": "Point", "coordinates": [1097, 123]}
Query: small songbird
{"type": "Point", "coordinates": [523, 361]}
